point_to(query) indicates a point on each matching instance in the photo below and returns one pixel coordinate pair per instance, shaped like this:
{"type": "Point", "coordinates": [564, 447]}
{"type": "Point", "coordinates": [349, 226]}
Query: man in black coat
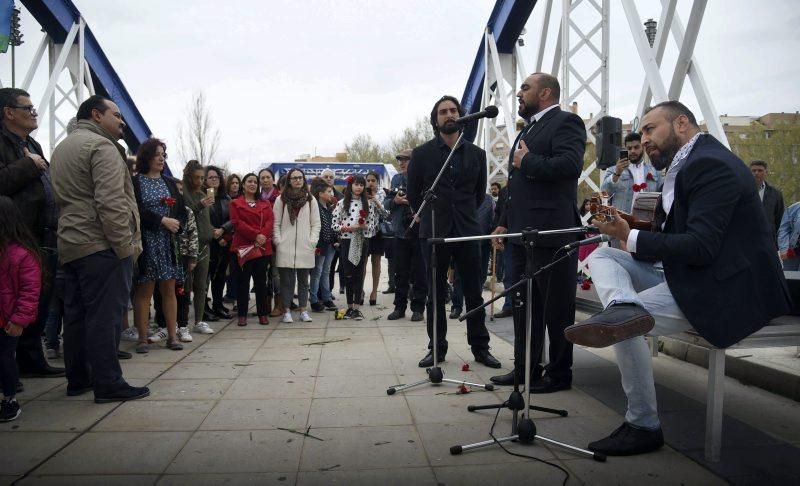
{"type": "Point", "coordinates": [457, 196]}
{"type": "Point", "coordinates": [771, 197]}
{"type": "Point", "coordinates": [25, 178]}
{"type": "Point", "coordinates": [713, 264]}
{"type": "Point", "coordinates": [544, 165]}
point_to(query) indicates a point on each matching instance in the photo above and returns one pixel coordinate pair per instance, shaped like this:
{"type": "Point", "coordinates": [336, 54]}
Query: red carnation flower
{"type": "Point", "coordinates": [360, 220]}
{"type": "Point", "coordinates": [169, 201]}
{"type": "Point", "coordinates": [639, 187]}
{"type": "Point", "coordinates": [586, 284]}
{"type": "Point", "coordinates": [362, 213]}
{"type": "Point", "coordinates": [790, 253]}
{"type": "Point", "coordinates": [462, 389]}
{"type": "Point", "coordinates": [465, 367]}
{"type": "Point", "coordinates": [349, 179]}
{"type": "Point", "coordinates": [650, 177]}
{"type": "Point", "coordinates": [179, 290]}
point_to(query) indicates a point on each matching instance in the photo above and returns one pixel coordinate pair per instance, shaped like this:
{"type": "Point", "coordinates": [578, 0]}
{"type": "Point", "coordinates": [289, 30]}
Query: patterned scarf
{"type": "Point", "coordinates": [294, 200]}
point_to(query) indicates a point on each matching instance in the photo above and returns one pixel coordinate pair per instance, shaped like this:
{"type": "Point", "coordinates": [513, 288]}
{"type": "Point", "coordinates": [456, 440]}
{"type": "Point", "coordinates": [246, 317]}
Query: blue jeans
{"type": "Point", "coordinates": [320, 289]}
{"type": "Point", "coordinates": [619, 278]}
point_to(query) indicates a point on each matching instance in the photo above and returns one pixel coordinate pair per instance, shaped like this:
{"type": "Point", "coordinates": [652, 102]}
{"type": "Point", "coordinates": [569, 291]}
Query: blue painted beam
{"type": "Point", "coordinates": [57, 18]}
{"type": "Point", "coordinates": [506, 22]}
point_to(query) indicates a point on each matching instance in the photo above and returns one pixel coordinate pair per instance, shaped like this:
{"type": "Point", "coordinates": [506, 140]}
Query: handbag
{"type": "Point", "coordinates": [249, 252]}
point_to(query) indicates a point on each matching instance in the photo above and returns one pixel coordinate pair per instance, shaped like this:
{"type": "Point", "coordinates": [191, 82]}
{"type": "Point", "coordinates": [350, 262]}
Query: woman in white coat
{"type": "Point", "coordinates": [295, 235]}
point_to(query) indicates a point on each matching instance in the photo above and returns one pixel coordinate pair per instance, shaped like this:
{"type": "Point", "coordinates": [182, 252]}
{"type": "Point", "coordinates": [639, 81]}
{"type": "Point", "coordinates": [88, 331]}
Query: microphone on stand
{"type": "Point", "coordinates": [490, 111]}
{"type": "Point", "coordinates": [588, 241]}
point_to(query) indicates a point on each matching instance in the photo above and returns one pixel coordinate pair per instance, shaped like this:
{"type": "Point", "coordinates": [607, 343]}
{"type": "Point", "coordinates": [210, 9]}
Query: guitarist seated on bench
{"type": "Point", "coordinates": [712, 263]}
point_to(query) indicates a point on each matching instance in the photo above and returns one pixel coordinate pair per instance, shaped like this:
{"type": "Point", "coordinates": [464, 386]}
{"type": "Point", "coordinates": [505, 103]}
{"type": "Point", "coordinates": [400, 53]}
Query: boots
{"type": "Point", "coordinates": [279, 309]}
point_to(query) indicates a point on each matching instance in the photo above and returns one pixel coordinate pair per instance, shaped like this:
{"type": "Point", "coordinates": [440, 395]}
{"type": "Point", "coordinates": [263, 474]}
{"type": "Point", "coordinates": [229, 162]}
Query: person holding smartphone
{"type": "Point", "coordinates": [631, 174]}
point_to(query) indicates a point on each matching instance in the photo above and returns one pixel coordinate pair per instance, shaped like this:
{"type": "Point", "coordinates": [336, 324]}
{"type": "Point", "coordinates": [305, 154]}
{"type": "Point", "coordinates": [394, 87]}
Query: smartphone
{"type": "Point", "coordinates": [210, 192]}
{"type": "Point", "coordinates": [369, 191]}
{"type": "Point", "coordinates": [623, 153]}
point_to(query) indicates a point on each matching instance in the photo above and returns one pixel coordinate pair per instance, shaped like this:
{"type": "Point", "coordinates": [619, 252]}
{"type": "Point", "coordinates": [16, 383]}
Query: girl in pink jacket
{"type": "Point", "coordinates": [20, 284]}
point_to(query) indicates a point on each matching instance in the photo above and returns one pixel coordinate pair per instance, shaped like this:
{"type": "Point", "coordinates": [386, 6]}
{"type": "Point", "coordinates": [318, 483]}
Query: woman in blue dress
{"type": "Point", "coordinates": [163, 216]}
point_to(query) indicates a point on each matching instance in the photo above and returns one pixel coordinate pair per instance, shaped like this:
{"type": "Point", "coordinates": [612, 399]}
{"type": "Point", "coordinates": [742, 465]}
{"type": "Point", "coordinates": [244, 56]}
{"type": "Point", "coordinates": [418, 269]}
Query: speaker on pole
{"type": "Point", "coordinates": [608, 140]}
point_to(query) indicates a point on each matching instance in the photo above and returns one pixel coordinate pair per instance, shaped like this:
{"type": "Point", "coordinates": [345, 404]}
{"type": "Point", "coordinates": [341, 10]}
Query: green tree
{"type": "Point", "coordinates": [411, 136]}
{"type": "Point", "coordinates": [779, 146]}
{"type": "Point", "coordinates": [364, 149]}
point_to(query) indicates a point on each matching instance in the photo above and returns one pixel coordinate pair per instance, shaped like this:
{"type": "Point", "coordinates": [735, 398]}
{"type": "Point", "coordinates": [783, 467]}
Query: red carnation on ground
{"type": "Point", "coordinates": [465, 367]}
{"type": "Point", "coordinates": [586, 284]}
{"type": "Point", "coordinates": [650, 177]}
{"type": "Point", "coordinates": [462, 389]}
{"type": "Point", "coordinates": [169, 201]}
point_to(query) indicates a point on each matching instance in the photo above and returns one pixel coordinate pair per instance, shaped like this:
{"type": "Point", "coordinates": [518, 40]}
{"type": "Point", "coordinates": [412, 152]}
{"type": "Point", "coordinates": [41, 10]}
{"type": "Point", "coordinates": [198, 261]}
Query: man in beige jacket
{"type": "Point", "coordinates": [98, 241]}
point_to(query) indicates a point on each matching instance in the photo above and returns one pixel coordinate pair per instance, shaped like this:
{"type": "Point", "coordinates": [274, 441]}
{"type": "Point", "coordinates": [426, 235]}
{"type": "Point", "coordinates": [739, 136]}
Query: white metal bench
{"type": "Point", "coordinates": [781, 332]}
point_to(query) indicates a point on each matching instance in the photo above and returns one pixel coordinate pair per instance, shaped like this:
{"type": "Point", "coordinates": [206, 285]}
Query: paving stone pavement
{"type": "Point", "coordinates": [306, 403]}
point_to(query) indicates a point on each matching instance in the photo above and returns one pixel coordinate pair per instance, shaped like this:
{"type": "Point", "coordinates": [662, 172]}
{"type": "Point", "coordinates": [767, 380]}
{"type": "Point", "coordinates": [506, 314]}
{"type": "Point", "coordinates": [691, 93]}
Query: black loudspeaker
{"type": "Point", "coordinates": [608, 141]}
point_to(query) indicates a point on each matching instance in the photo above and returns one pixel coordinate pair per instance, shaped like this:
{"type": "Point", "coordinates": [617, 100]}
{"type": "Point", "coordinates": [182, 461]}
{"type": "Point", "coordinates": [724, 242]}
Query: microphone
{"type": "Point", "coordinates": [490, 111]}
{"type": "Point", "coordinates": [588, 241]}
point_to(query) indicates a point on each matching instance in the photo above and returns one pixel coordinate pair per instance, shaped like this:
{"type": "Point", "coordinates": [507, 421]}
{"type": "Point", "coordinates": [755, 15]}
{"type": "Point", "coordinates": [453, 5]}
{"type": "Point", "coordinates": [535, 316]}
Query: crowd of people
{"type": "Point", "coordinates": [93, 233]}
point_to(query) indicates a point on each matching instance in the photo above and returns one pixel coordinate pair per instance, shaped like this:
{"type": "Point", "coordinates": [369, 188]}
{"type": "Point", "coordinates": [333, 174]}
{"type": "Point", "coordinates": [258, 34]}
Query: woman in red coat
{"type": "Point", "coordinates": [252, 221]}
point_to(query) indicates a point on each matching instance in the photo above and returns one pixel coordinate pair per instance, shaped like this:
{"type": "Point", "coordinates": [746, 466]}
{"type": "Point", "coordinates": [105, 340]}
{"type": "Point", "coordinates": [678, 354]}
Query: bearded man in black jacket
{"type": "Point", "coordinates": [458, 194]}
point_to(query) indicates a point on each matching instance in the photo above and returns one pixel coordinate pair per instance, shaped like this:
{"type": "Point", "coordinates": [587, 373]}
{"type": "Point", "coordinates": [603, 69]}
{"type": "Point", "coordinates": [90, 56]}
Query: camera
{"type": "Point", "coordinates": [623, 153]}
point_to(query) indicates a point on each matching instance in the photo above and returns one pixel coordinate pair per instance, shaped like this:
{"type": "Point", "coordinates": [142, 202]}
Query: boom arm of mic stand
{"type": "Point", "coordinates": [518, 284]}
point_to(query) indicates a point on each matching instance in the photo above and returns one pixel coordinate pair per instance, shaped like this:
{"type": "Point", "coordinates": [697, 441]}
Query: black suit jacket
{"type": "Point", "coordinates": [773, 210]}
{"type": "Point", "coordinates": [456, 202]}
{"type": "Point", "coordinates": [716, 248]}
{"type": "Point", "coordinates": [542, 193]}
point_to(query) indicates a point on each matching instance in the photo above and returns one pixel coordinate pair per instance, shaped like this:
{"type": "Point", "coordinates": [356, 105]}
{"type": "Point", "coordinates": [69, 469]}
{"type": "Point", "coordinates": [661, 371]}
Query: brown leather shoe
{"type": "Point", "coordinates": [616, 323]}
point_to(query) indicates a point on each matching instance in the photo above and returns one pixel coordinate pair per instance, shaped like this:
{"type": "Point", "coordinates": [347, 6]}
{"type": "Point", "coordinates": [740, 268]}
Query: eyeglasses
{"type": "Point", "coordinates": [296, 178]}
{"type": "Point", "coordinates": [29, 108]}
{"type": "Point", "coordinates": [403, 159]}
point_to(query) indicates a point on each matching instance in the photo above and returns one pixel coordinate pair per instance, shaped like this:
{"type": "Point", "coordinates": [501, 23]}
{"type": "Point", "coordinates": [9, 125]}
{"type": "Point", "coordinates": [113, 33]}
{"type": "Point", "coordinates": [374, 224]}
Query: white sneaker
{"type": "Point", "coordinates": [183, 335]}
{"type": "Point", "coordinates": [203, 328]}
{"type": "Point", "coordinates": [130, 334]}
{"type": "Point", "coordinates": [287, 317]}
{"type": "Point", "coordinates": [159, 334]}
{"type": "Point", "coordinates": [305, 317]}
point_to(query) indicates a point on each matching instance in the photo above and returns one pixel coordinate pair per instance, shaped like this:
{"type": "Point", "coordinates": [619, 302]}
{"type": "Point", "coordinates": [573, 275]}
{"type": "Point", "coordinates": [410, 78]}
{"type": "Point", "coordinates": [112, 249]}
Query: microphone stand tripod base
{"type": "Point", "coordinates": [436, 378]}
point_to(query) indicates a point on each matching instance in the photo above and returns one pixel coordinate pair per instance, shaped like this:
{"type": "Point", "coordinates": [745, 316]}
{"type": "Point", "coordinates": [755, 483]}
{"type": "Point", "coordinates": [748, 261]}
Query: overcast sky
{"type": "Point", "coordinates": [287, 78]}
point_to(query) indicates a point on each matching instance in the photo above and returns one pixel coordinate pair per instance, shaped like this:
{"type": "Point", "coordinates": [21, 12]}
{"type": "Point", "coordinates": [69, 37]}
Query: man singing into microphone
{"type": "Point", "coordinates": [544, 165]}
{"type": "Point", "coordinates": [458, 195]}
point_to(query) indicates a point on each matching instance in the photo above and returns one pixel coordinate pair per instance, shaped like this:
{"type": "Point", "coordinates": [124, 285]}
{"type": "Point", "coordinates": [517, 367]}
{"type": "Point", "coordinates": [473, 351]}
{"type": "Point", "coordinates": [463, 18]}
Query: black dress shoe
{"type": "Point", "coordinates": [508, 379]}
{"type": "Point", "coordinates": [455, 313]}
{"type": "Point", "coordinates": [416, 316]}
{"type": "Point", "coordinates": [317, 307]}
{"type": "Point", "coordinates": [123, 354]}
{"type": "Point", "coordinates": [616, 323]}
{"type": "Point", "coordinates": [209, 317]}
{"type": "Point", "coordinates": [396, 314]}
{"type": "Point", "coordinates": [74, 391]}
{"type": "Point", "coordinates": [222, 312]}
{"type": "Point", "coordinates": [44, 372]}
{"type": "Point", "coordinates": [503, 313]}
{"type": "Point", "coordinates": [485, 357]}
{"type": "Point", "coordinates": [628, 441]}
{"type": "Point", "coordinates": [390, 290]}
{"type": "Point", "coordinates": [548, 385]}
{"type": "Point", "coordinates": [330, 306]}
{"type": "Point", "coordinates": [427, 361]}
{"type": "Point", "coordinates": [124, 394]}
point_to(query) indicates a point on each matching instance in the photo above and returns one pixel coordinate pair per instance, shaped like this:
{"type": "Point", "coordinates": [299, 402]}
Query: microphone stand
{"type": "Point", "coordinates": [524, 431]}
{"type": "Point", "coordinates": [435, 373]}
